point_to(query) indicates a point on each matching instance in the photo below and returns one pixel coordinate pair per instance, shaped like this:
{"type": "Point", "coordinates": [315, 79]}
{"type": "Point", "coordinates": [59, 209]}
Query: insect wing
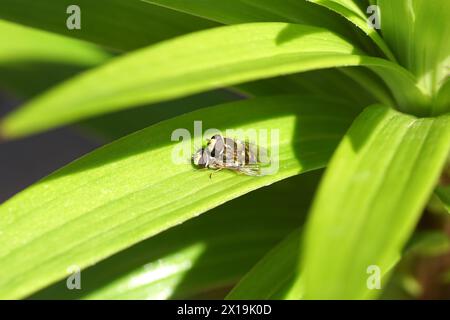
{"type": "Point", "coordinates": [250, 170]}
{"type": "Point", "coordinates": [257, 155]}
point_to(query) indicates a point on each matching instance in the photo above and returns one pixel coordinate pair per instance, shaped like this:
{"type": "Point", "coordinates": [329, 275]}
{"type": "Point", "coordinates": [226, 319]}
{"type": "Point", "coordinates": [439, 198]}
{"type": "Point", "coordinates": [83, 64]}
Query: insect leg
{"type": "Point", "coordinates": [217, 170]}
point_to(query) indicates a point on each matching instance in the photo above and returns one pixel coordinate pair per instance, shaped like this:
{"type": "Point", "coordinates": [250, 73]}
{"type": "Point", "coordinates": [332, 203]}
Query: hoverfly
{"type": "Point", "coordinates": [226, 153]}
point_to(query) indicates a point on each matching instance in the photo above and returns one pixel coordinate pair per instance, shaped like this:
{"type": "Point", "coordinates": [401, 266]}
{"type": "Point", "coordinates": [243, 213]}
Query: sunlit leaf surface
{"type": "Point", "coordinates": [131, 189]}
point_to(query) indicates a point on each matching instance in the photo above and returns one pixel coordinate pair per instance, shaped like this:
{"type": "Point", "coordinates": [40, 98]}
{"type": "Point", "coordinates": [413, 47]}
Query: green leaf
{"type": "Point", "coordinates": [37, 59]}
{"type": "Point", "coordinates": [351, 11]}
{"type": "Point", "coordinates": [409, 94]}
{"type": "Point", "coordinates": [428, 243]}
{"type": "Point", "coordinates": [116, 24]}
{"type": "Point", "coordinates": [130, 190]}
{"type": "Point", "coordinates": [403, 282]}
{"type": "Point", "coordinates": [205, 254]}
{"type": "Point", "coordinates": [245, 11]}
{"type": "Point", "coordinates": [273, 274]}
{"type": "Point", "coordinates": [418, 33]}
{"type": "Point", "coordinates": [444, 195]}
{"type": "Point", "coordinates": [378, 182]}
{"type": "Point", "coordinates": [371, 83]}
{"type": "Point", "coordinates": [442, 103]}
{"type": "Point", "coordinates": [374, 216]}
{"type": "Point", "coordinates": [351, 83]}
{"type": "Point", "coordinates": [302, 12]}
{"type": "Point", "coordinates": [194, 63]}
{"type": "Point", "coordinates": [115, 125]}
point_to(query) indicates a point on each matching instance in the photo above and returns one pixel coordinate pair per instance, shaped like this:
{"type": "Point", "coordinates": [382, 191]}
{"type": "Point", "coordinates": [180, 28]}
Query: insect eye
{"type": "Point", "coordinates": [200, 158]}
{"type": "Point", "coordinates": [204, 159]}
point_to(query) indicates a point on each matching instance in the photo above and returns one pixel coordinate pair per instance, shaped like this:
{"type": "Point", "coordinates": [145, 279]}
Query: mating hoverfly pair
{"type": "Point", "coordinates": [226, 153]}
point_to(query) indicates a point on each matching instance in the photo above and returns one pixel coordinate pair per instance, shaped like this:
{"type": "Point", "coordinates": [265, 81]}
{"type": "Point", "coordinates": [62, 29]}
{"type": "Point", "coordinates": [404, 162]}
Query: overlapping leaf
{"type": "Point", "coordinates": [418, 32]}
{"type": "Point", "coordinates": [116, 24]}
{"type": "Point", "coordinates": [198, 62]}
{"type": "Point", "coordinates": [32, 60]}
{"type": "Point", "coordinates": [294, 11]}
{"type": "Point", "coordinates": [355, 224]}
{"type": "Point", "coordinates": [444, 195]}
{"type": "Point", "coordinates": [245, 11]}
{"type": "Point", "coordinates": [274, 275]}
{"type": "Point", "coordinates": [350, 10]}
{"type": "Point", "coordinates": [198, 257]}
{"type": "Point", "coordinates": [372, 195]}
{"type": "Point", "coordinates": [131, 189]}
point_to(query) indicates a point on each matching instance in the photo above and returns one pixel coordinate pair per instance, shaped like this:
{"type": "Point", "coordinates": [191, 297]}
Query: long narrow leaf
{"type": "Point", "coordinates": [211, 252]}
{"type": "Point", "coordinates": [131, 189]}
{"type": "Point", "coordinates": [32, 60]}
{"type": "Point", "coordinates": [444, 195]}
{"type": "Point", "coordinates": [273, 274]}
{"type": "Point", "coordinates": [278, 274]}
{"type": "Point", "coordinates": [198, 62]}
{"type": "Point", "coordinates": [418, 32]}
{"type": "Point", "coordinates": [442, 103]}
{"type": "Point", "coordinates": [350, 10]}
{"type": "Point", "coordinates": [294, 11]}
{"type": "Point", "coordinates": [245, 11]}
{"type": "Point", "coordinates": [117, 24]}
{"type": "Point", "coordinates": [372, 195]}
{"type": "Point", "coordinates": [273, 277]}
{"type": "Point", "coordinates": [112, 126]}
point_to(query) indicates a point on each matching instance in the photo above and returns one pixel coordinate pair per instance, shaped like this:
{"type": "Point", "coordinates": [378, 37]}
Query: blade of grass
{"type": "Point", "coordinates": [117, 24]}
{"type": "Point", "coordinates": [194, 63]}
{"type": "Point", "coordinates": [140, 192]}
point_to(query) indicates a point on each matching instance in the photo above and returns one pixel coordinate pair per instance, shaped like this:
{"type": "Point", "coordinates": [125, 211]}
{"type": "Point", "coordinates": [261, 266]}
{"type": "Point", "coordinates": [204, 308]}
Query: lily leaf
{"type": "Point", "coordinates": [382, 233]}
{"type": "Point", "coordinates": [272, 277]}
{"type": "Point", "coordinates": [194, 63]}
{"type": "Point", "coordinates": [350, 10]}
{"type": "Point", "coordinates": [444, 195]}
{"type": "Point", "coordinates": [117, 24]}
{"type": "Point", "coordinates": [225, 243]}
{"type": "Point", "coordinates": [140, 192]}
{"type": "Point", "coordinates": [112, 126]}
{"type": "Point", "coordinates": [384, 158]}
{"type": "Point", "coordinates": [293, 11]}
{"type": "Point", "coordinates": [442, 103]}
{"type": "Point", "coordinates": [418, 32]}
{"type": "Point", "coordinates": [36, 60]}
{"type": "Point", "coordinates": [245, 11]}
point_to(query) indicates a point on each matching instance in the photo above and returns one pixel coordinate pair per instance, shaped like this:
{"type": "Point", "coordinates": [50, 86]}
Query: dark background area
{"type": "Point", "coordinates": [24, 161]}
